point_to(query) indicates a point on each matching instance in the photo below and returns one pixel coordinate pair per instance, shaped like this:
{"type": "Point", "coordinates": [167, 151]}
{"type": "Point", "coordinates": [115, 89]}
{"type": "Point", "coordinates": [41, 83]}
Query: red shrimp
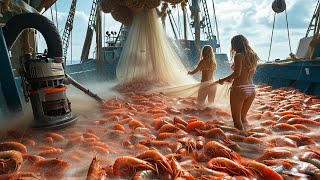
{"type": "Point", "coordinates": [157, 111]}
{"type": "Point", "coordinates": [50, 167]}
{"type": "Point", "coordinates": [254, 117]}
{"type": "Point", "coordinates": [87, 135]}
{"type": "Point", "coordinates": [252, 140]}
{"type": "Point", "coordinates": [304, 121]}
{"type": "Point", "coordinates": [10, 161]}
{"type": "Point", "coordinates": [48, 140]}
{"type": "Point", "coordinates": [226, 165]}
{"type": "Point", "coordinates": [260, 170]}
{"type": "Point", "coordinates": [5, 146]}
{"type": "Point", "coordinates": [302, 127]}
{"type": "Point", "coordinates": [100, 149]}
{"type": "Point", "coordinates": [215, 149]}
{"type": "Point", "coordinates": [118, 127]}
{"type": "Point", "coordinates": [286, 117]}
{"type": "Point", "coordinates": [51, 152]}
{"type": "Point", "coordinates": [179, 172]}
{"type": "Point", "coordinates": [195, 125]}
{"type": "Point", "coordinates": [154, 156]}
{"type": "Point", "coordinates": [177, 119]}
{"type": "Point", "coordinates": [133, 124]}
{"type": "Point", "coordinates": [73, 135]}
{"type": "Point", "coordinates": [166, 135]}
{"type": "Point", "coordinates": [282, 142]}
{"type": "Point", "coordinates": [283, 127]}
{"type": "Point", "coordinates": [217, 134]}
{"type": "Point", "coordinates": [74, 141]}
{"type": "Point", "coordinates": [55, 136]}
{"type": "Point", "coordinates": [275, 154]}
{"type": "Point", "coordinates": [95, 171]}
{"type": "Point", "coordinates": [168, 128]}
{"type": "Point", "coordinates": [126, 165]}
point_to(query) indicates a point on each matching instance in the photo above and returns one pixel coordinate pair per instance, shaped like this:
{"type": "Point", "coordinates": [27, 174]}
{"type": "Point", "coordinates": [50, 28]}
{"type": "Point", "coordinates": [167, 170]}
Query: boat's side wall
{"type": "Point", "coordinates": [111, 58]}
{"type": "Point", "coordinates": [302, 75]}
{"type": "Point", "coordinates": [84, 72]}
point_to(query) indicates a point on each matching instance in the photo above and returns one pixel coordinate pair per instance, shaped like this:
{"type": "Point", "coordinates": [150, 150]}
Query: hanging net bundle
{"type": "Point", "coordinates": [148, 55]}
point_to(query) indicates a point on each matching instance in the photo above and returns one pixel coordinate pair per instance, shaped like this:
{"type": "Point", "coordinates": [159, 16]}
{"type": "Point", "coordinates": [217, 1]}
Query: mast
{"type": "Point", "coordinates": [314, 20]}
{"type": "Point", "coordinates": [315, 27]}
{"type": "Point", "coordinates": [99, 33]}
{"type": "Point", "coordinates": [68, 28]}
{"type": "Point", "coordinates": [195, 8]}
{"type": "Point", "coordinates": [89, 35]}
{"type": "Point", "coordinates": [184, 10]}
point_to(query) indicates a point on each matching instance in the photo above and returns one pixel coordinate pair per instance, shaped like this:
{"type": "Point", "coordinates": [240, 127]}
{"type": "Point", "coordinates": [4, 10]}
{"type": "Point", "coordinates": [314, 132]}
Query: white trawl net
{"type": "Point", "coordinates": [147, 54]}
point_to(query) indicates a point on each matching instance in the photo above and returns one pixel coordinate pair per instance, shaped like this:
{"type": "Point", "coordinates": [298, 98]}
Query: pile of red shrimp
{"type": "Point", "coordinates": [152, 136]}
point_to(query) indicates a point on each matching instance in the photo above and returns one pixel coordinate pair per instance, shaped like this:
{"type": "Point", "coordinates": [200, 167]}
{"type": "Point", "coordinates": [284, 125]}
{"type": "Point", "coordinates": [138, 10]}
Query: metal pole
{"type": "Point", "coordinates": [196, 13]}
{"type": "Point", "coordinates": [70, 80]}
{"type": "Point", "coordinates": [183, 6]}
{"type": "Point", "coordinates": [7, 79]}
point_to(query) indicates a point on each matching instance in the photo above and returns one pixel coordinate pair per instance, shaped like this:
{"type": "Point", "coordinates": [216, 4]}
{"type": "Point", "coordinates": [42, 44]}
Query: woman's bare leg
{"type": "Point", "coordinates": [236, 103]}
{"type": "Point", "coordinates": [245, 108]}
{"type": "Point", "coordinates": [212, 94]}
{"type": "Point", "coordinates": [202, 95]}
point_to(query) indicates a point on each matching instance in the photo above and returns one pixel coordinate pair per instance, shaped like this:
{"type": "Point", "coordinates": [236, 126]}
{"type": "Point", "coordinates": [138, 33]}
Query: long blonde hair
{"type": "Point", "coordinates": [240, 44]}
{"type": "Point", "coordinates": [207, 54]}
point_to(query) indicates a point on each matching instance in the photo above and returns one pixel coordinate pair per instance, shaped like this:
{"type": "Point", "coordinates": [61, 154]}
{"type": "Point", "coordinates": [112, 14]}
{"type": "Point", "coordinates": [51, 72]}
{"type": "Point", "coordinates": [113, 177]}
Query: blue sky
{"type": "Point", "coordinates": [252, 18]}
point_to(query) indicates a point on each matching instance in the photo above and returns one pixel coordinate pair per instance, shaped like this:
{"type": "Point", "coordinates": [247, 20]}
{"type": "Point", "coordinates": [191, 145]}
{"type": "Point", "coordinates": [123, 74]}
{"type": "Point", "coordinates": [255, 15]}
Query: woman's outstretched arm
{"type": "Point", "coordinates": [199, 67]}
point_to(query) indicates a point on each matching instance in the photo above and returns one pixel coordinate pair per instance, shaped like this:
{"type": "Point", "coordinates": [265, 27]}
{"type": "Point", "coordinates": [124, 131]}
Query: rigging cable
{"type": "Point", "coordinates": [274, 20]}
{"type": "Point", "coordinates": [288, 31]}
{"type": "Point", "coordinates": [71, 46]}
{"type": "Point", "coordinates": [217, 29]}
{"type": "Point", "coordinates": [174, 21]}
{"type": "Point", "coordinates": [51, 15]}
{"type": "Point", "coordinates": [104, 29]}
{"type": "Point", "coordinates": [55, 4]}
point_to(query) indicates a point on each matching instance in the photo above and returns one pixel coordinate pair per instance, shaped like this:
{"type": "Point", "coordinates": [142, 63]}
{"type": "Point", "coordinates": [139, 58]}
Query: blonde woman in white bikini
{"type": "Point", "coordinates": [242, 91]}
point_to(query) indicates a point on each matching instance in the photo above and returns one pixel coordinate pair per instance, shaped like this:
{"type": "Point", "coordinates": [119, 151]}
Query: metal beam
{"type": "Point", "coordinates": [7, 79]}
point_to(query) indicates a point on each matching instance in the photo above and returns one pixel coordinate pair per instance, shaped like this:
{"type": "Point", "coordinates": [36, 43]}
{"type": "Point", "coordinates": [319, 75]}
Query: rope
{"type": "Point", "coordinates": [55, 4]}
{"type": "Point", "coordinates": [288, 31]}
{"type": "Point", "coordinates": [175, 24]}
{"type": "Point", "coordinates": [71, 47]}
{"type": "Point", "coordinates": [51, 15]}
{"type": "Point", "coordinates": [104, 29]}
{"type": "Point", "coordinates": [274, 21]}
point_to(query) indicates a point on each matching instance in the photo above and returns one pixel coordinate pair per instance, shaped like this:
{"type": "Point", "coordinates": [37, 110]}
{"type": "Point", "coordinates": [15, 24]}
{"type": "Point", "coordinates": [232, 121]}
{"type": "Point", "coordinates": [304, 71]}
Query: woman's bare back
{"type": "Point", "coordinates": [246, 74]}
